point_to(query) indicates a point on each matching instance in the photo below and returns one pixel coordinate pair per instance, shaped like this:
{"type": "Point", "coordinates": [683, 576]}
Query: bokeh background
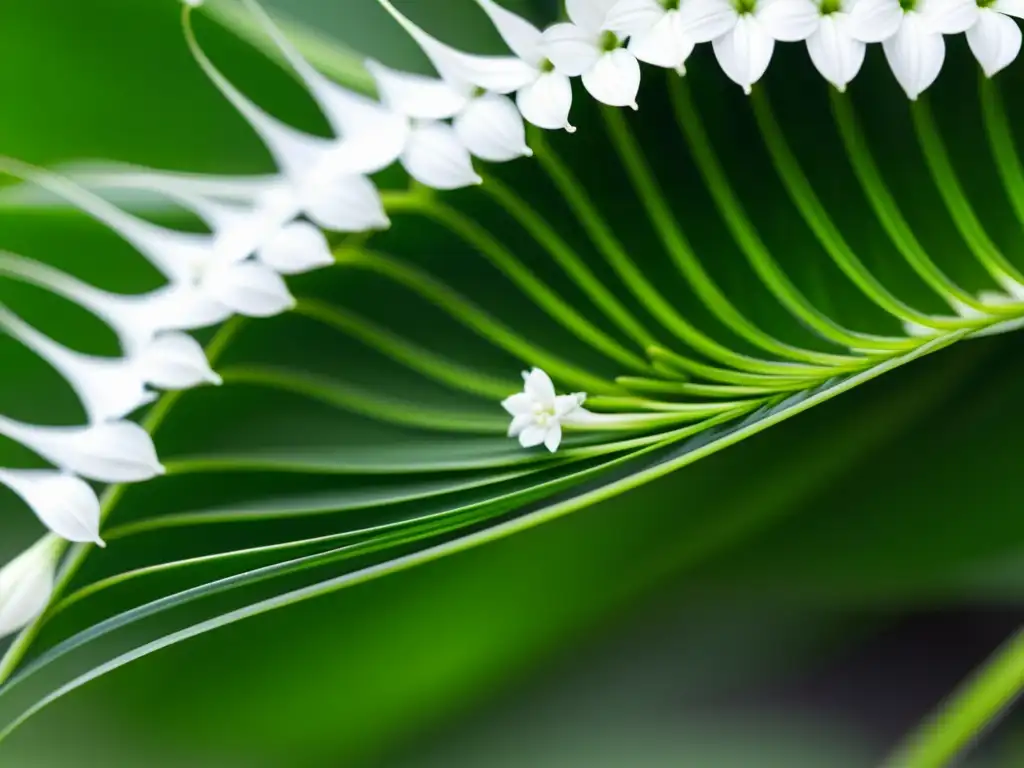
{"type": "Point", "coordinates": [801, 599]}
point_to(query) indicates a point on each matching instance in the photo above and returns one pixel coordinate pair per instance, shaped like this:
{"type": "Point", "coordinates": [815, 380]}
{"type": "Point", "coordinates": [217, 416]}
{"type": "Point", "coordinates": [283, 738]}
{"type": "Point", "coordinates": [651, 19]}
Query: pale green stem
{"type": "Point", "coordinates": [662, 218]}
{"type": "Point", "coordinates": [1004, 149]}
{"type": "Point", "coordinates": [963, 215]}
{"type": "Point", "coordinates": [746, 236]}
{"type": "Point", "coordinates": [968, 713]}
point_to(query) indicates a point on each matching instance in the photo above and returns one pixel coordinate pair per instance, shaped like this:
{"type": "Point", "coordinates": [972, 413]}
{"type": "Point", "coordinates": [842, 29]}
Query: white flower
{"type": "Point", "coordinates": [744, 32]}
{"type": "Point", "coordinates": [547, 99]}
{"type": "Point", "coordinates": [537, 412]}
{"type": "Point", "coordinates": [174, 361]}
{"type": "Point", "coordinates": [995, 38]}
{"type": "Point", "coordinates": [114, 452]}
{"type": "Point", "coordinates": [587, 47]}
{"type": "Point", "coordinates": [26, 585]}
{"type": "Point", "coordinates": [65, 504]}
{"type": "Point", "coordinates": [911, 34]}
{"type": "Point", "coordinates": [835, 51]}
{"type": "Point", "coordinates": [658, 31]}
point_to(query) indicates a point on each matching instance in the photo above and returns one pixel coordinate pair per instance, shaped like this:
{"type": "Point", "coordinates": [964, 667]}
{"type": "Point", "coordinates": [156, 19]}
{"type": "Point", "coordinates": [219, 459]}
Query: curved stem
{"type": "Point", "coordinates": [968, 713]}
{"type": "Point", "coordinates": [1000, 139]}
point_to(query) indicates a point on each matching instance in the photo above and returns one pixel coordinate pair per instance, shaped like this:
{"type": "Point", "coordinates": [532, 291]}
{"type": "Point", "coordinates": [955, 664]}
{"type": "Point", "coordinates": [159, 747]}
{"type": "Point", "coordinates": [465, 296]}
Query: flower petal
{"type": "Point", "coordinates": [175, 361]}
{"type": "Point", "coordinates": [589, 14]}
{"type": "Point", "coordinates": [519, 423]}
{"type": "Point", "coordinates": [500, 74]}
{"type": "Point", "coordinates": [835, 54]}
{"type": "Point", "coordinates": [553, 438]}
{"type": "Point", "coordinates": [1009, 7]}
{"type": "Point", "coordinates": [249, 288]}
{"type": "Point", "coordinates": [664, 44]}
{"type": "Point", "coordinates": [538, 385]}
{"type": "Point", "coordinates": [519, 404]}
{"type": "Point", "coordinates": [947, 17]}
{"type": "Point", "coordinates": [437, 158]}
{"type": "Point", "coordinates": [532, 436]}
{"type": "Point", "coordinates": [492, 129]}
{"type": "Point", "coordinates": [26, 585]}
{"type": "Point", "coordinates": [336, 200]}
{"type": "Point", "coordinates": [546, 102]}
{"type": "Point", "coordinates": [418, 96]}
{"type": "Point", "coordinates": [113, 452]}
{"type": "Point", "coordinates": [994, 40]}
{"type": "Point", "coordinates": [788, 20]}
{"type": "Point", "coordinates": [296, 248]}
{"type": "Point", "coordinates": [567, 404]}
{"type": "Point", "coordinates": [615, 79]}
{"type": "Point", "coordinates": [65, 504]}
{"type": "Point", "coordinates": [745, 52]}
{"type": "Point", "coordinates": [571, 49]}
{"type": "Point", "coordinates": [519, 35]}
{"type": "Point", "coordinates": [872, 21]}
{"type": "Point", "coordinates": [915, 55]}
{"type": "Point", "coordinates": [707, 20]}
{"type": "Point", "coordinates": [628, 18]}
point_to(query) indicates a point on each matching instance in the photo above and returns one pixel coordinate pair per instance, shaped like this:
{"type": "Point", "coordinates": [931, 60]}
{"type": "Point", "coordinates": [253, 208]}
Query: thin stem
{"type": "Point", "coordinates": [111, 496]}
{"type": "Point", "coordinates": [968, 713]}
{"type": "Point", "coordinates": [660, 213]}
{"type": "Point", "coordinates": [1000, 139]}
{"type": "Point", "coordinates": [746, 236]}
{"type": "Point", "coordinates": [963, 215]}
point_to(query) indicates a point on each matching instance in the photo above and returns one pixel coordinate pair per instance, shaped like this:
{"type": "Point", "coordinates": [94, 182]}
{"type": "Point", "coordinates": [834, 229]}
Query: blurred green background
{"type": "Point", "coordinates": [801, 599]}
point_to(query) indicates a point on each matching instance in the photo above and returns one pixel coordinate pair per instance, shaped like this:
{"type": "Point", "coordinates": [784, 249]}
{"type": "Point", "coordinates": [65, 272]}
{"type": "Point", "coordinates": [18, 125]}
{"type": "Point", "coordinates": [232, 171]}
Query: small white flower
{"type": "Point", "coordinates": [113, 452]}
{"type": "Point", "coordinates": [587, 47]}
{"type": "Point", "coordinates": [834, 50]}
{"type": "Point", "coordinates": [174, 361]}
{"type": "Point", "coordinates": [65, 504]}
{"type": "Point", "coordinates": [657, 30]}
{"type": "Point", "coordinates": [26, 585]}
{"type": "Point", "coordinates": [747, 31]}
{"type": "Point", "coordinates": [538, 412]}
{"type": "Point", "coordinates": [295, 248]}
{"type": "Point", "coordinates": [547, 99]}
{"type": "Point", "coordinates": [911, 34]}
{"type": "Point", "coordinates": [995, 38]}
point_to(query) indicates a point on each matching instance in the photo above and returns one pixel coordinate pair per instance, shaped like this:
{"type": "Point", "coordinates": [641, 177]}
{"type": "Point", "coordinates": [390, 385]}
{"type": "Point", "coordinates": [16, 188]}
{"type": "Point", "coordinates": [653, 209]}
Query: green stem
{"type": "Point", "coordinates": [1000, 139]}
{"type": "Point", "coordinates": [112, 495]}
{"type": "Point", "coordinates": [965, 715]}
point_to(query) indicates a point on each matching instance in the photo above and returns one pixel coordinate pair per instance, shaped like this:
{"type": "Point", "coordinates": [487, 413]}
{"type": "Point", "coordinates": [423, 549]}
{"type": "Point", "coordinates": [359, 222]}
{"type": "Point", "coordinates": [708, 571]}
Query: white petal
{"type": "Point", "coordinates": [297, 247]}
{"type": "Point", "coordinates": [614, 79]}
{"type": "Point", "coordinates": [519, 35]}
{"type": "Point", "coordinates": [539, 386]}
{"type": "Point", "coordinates": [745, 52]}
{"type": "Point", "coordinates": [435, 157]}
{"type": "Point", "coordinates": [994, 40]}
{"type": "Point", "coordinates": [665, 44]}
{"type": "Point", "coordinates": [872, 21]}
{"type": "Point", "coordinates": [1009, 7]}
{"type": "Point", "coordinates": [589, 14]}
{"type": "Point", "coordinates": [628, 18]}
{"type": "Point", "coordinates": [113, 452]}
{"type": "Point", "coordinates": [108, 387]}
{"type": "Point", "coordinates": [553, 438]}
{"type": "Point", "coordinates": [915, 55]}
{"type": "Point", "coordinates": [65, 504]}
{"type": "Point", "coordinates": [532, 436]}
{"type": "Point", "coordinates": [26, 585]}
{"type": "Point", "coordinates": [519, 404]}
{"type": "Point", "coordinates": [707, 20]}
{"type": "Point", "coordinates": [546, 102]}
{"type": "Point", "coordinates": [248, 288]}
{"type": "Point", "coordinates": [336, 200]}
{"type": "Point", "coordinates": [519, 423]}
{"type": "Point", "coordinates": [491, 128]}
{"type": "Point", "coordinates": [835, 54]}
{"type": "Point", "coordinates": [788, 20]}
{"type": "Point", "coordinates": [947, 17]}
{"type": "Point", "coordinates": [418, 96]}
{"type": "Point", "coordinates": [381, 135]}
{"type": "Point", "coordinates": [567, 404]}
{"type": "Point", "coordinates": [500, 74]}
{"type": "Point", "coordinates": [175, 361]}
{"type": "Point", "coordinates": [571, 49]}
